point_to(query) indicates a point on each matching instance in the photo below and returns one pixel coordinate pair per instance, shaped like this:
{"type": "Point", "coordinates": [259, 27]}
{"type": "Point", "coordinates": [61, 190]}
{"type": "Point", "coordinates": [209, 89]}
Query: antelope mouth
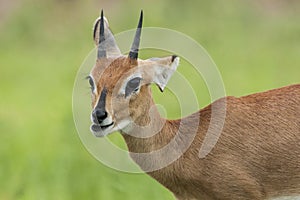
{"type": "Point", "coordinates": [99, 128]}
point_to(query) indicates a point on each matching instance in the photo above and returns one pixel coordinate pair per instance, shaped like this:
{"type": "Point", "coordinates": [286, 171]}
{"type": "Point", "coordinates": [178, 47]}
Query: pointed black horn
{"type": "Point", "coordinates": [101, 46]}
{"type": "Point", "coordinates": [134, 51]}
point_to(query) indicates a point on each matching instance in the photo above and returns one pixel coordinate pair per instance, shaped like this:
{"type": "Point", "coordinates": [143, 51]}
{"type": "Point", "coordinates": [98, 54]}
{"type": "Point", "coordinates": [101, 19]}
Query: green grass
{"type": "Point", "coordinates": [255, 44]}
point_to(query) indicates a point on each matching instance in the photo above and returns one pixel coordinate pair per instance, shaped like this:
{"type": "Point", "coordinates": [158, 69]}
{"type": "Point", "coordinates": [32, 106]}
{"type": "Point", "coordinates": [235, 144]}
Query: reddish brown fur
{"type": "Point", "coordinates": [256, 157]}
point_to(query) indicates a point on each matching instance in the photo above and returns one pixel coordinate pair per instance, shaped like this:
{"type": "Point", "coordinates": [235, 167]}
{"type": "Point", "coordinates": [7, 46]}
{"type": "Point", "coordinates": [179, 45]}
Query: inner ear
{"type": "Point", "coordinates": [161, 76]}
{"type": "Point", "coordinates": [163, 69]}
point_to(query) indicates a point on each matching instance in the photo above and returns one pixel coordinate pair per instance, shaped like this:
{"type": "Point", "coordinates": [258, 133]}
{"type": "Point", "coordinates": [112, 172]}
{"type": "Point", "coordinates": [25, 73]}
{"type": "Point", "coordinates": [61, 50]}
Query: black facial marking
{"type": "Point", "coordinates": [132, 86]}
{"type": "Point", "coordinates": [102, 99]}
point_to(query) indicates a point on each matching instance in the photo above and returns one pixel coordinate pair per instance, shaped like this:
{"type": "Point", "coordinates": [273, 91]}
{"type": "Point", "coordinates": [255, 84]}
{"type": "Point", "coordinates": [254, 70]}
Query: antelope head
{"type": "Point", "coordinates": [120, 84]}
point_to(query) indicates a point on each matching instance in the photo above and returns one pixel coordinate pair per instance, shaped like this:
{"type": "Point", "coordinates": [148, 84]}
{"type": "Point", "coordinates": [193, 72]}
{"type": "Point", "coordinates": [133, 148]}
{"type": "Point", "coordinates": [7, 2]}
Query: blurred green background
{"type": "Point", "coordinates": [255, 44]}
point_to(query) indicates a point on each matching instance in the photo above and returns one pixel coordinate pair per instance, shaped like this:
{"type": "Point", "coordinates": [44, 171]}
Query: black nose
{"type": "Point", "coordinates": [99, 115]}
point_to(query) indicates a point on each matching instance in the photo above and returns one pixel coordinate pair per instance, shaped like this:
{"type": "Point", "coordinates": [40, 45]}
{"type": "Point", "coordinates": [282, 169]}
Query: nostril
{"type": "Point", "coordinates": [100, 115]}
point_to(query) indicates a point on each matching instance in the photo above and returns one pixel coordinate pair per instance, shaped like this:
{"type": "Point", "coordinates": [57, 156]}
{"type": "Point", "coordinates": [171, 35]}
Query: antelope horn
{"type": "Point", "coordinates": [134, 51]}
{"type": "Point", "coordinates": [101, 46]}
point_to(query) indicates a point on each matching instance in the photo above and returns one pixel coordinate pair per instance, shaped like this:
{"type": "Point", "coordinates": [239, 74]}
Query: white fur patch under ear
{"type": "Point", "coordinates": [162, 74]}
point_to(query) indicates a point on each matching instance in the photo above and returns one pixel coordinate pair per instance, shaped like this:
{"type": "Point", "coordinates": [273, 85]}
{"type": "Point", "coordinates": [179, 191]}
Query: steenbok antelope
{"type": "Point", "coordinates": [257, 155]}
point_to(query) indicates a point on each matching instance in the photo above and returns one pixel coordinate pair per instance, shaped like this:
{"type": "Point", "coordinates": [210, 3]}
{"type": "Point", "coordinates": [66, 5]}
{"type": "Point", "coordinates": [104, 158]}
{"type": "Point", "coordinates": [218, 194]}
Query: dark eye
{"type": "Point", "coordinates": [91, 82]}
{"type": "Point", "coordinates": [132, 86]}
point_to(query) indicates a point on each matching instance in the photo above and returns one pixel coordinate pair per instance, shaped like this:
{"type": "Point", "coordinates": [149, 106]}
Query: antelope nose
{"type": "Point", "coordinates": [99, 115]}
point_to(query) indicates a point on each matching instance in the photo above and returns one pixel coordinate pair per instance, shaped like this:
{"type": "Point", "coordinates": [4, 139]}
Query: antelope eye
{"type": "Point", "coordinates": [91, 82]}
{"type": "Point", "coordinates": [132, 86]}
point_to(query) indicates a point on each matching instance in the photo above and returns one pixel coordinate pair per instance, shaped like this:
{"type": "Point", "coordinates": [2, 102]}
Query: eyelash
{"type": "Point", "coordinates": [91, 82]}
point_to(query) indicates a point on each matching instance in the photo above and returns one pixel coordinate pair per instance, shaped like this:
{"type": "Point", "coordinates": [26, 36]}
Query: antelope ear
{"type": "Point", "coordinates": [96, 29]}
{"type": "Point", "coordinates": [109, 44]}
{"type": "Point", "coordinates": [163, 69]}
